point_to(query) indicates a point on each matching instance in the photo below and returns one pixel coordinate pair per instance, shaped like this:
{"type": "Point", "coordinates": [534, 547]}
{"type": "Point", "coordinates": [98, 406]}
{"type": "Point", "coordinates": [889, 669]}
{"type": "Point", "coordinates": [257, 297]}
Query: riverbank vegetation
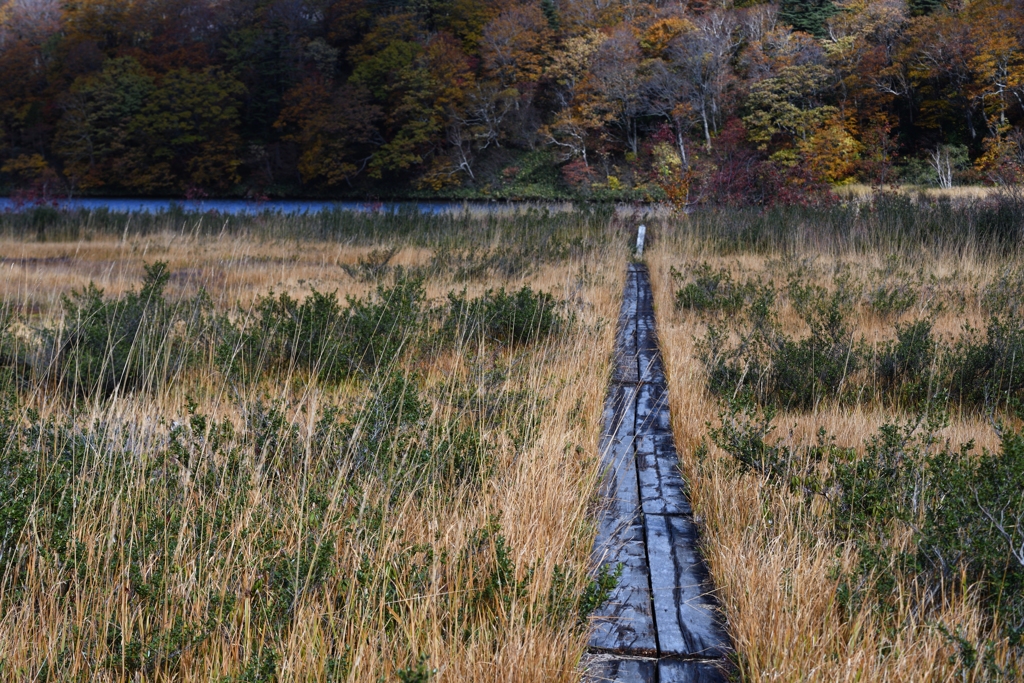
{"type": "Point", "coordinates": [846, 392]}
{"type": "Point", "coordinates": [336, 448]}
{"type": "Point", "coordinates": [690, 102]}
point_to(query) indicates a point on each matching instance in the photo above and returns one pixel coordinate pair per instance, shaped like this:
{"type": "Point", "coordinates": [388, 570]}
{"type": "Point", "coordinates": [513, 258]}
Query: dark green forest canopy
{"type": "Point", "coordinates": [685, 102]}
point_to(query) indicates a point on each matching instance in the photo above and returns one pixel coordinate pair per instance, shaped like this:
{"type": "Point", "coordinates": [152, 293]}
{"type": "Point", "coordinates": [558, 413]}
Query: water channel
{"type": "Point", "coordinates": [284, 206]}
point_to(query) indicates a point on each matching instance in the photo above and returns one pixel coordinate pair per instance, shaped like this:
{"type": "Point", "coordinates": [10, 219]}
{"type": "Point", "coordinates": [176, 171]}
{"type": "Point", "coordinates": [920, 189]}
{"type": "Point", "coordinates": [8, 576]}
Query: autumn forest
{"type": "Point", "coordinates": [690, 102]}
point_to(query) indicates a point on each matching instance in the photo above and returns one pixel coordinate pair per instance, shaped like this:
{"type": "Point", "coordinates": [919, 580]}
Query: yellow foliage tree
{"type": "Point", "coordinates": [832, 152]}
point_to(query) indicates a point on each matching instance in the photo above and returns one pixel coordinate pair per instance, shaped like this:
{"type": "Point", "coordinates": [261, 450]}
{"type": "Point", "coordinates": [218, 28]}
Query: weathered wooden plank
{"type": "Point", "coordinates": [644, 296]}
{"type": "Point", "coordinates": [649, 369]}
{"type": "Point", "coordinates": [659, 625]}
{"type": "Point", "coordinates": [624, 624]}
{"type": "Point", "coordinates": [687, 618]}
{"type": "Point", "coordinates": [662, 489]}
{"type": "Point", "coordinates": [652, 414]}
{"type": "Point", "coordinates": [604, 668]}
{"type": "Point", "coordinates": [648, 356]}
{"type": "Point", "coordinates": [619, 489]}
{"type": "Point", "coordinates": [619, 412]}
{"type": "Point", "coordinates": [626, 370]}
{"type": "Point", "coordinates": [624, 363]}
{"type": "Point", "coordinates": [673, 670]}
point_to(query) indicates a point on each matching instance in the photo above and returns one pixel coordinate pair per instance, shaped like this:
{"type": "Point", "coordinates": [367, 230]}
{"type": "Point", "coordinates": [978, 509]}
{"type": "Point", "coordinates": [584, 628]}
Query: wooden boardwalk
{"type": "Point", "coordinates": [661, 624]}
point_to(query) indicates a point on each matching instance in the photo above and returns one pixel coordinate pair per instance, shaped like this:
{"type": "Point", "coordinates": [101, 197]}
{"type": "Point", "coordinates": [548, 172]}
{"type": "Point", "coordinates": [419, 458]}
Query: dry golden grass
{"type": "Point", "coordinates": [773, 559]}
{"type": "Point", "coordinates": [232, 269]}
{"type": "Point", "coordinates": [958, 193]}
{"type": "Point", "coordinates": [371, 612]}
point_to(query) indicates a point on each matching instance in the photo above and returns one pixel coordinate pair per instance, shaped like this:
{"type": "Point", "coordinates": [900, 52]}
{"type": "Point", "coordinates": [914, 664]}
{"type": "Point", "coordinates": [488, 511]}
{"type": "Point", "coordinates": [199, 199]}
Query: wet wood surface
{"type": "Point", "coordinates": [661, 623]}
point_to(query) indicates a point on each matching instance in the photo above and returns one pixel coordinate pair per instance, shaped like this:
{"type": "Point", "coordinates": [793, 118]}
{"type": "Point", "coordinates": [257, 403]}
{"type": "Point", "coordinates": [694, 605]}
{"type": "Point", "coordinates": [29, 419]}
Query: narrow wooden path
{"type": "Point", "coordinates": [661, 624]}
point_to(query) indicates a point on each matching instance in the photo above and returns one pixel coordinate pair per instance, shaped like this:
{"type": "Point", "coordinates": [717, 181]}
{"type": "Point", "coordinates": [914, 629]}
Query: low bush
{"type": "Point", "coordinates": [976, 522]}
{"type": "Point", "coordinates": [964, 512]}
{"type": "Point", "coordinates": [319, 337]}
{"type": "Point", "coordinates": [987, 370]}
{"type": "Point", "coordinates": [981, 370]}
{"type": "Point", "coordinates": [1005, 294]}
{"type": "Point", "coordinates": [805, 371]}
{"type": "Point", "coordinates": [744, 433]}
{"type": "Point", "coordinates": [501, 317]}
{"type": "Point", "coordinates": [14, 366]}
{"type": "Point", "coordinates": [711, 291]}
{"type": "Point", "coordinates": [38, 463]}
{"type": "Point", "coordinates": [142, 339]}
{"type": "Point", "coordinates": [774, 367]}
{"type": "Point", "coordinates": [906, 367]}
{"type": "Point", "coordinates": [133, 342]}
{"type": "Point", "coordinates": [891, 301]}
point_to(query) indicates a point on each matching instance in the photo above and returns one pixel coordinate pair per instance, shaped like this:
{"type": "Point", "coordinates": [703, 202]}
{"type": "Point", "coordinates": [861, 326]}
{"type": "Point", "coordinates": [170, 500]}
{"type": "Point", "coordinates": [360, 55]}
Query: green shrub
{"type": "Point", "coordinates": [391, 436]}
{"type": "Point", "coordinates": [287, 576]}
{"type": "Point", "coordinates": [17, 482]}
{"type": "Point", "coordinates": [966, 512]}
{"type": "Point", "coordinates": [501, 317]}
{"type": "Point", "coordinates": [981, 370]}
{"type": "Point", "coordinates": [272, 436]}
{"type": "Point", "coordinates": [137, 341]}
{"type": "Point", "coordinates": [986, 372]}
{"type": "Point", "coordinates": [319, 337]}
{"type": "Point", "coordinates": [885, 484]}
{"type": "Point", "coordinates": [892, 300]}
{"type": "Point", "coordinates": [157, 652]}
{"type": "Point", "coordinates": [380, 329]}
{"type": "Point", "coordinates": [778, 369]}
{"type": "Point", "coordinates": [38, 463]}
{"type": "Point", "coordinates": [567, 607]}
{"type": "Point", "coordinates": [816, 367]}
{"type": "Point", "coordinates": [261, 667]}
{"type": "Point", "coordinates": [976, 522]}
{"type": "Point", "coordinates": [906, 367]}
{"type": "Point", "coordinates": [387, 427]}
{"type": "Point", "coordinates": [287, 334]}
{"type": "Point", "coordinates": [744, 433]}
{"type": "Point", "coordinates": [420, 672]}
{"type": "Point", "coordinates": [1005, 294]}
{"type": "Point", "coordinates": [15, 369]}
{"type": "Point", "coordinates": [489, 565]}
{"type": "Point", "coordinates": [745, 367]}
{"type": "Point", "coordinates": [711, 291]}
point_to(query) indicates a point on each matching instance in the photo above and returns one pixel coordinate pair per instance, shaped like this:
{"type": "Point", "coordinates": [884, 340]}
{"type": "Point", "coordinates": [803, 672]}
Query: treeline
{"type": "Point", "coordinates": [686, 102]}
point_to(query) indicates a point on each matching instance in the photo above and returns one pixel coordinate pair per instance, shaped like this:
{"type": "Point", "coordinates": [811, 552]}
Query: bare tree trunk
{"type": "Point", "coordinates": [458, 142]}
{"type": "Point", "coordinates": [942, 165]}
{"type": "Point", "coordinates": [681, 143]}
{"type": "Point", "coordinates": [704, 120]}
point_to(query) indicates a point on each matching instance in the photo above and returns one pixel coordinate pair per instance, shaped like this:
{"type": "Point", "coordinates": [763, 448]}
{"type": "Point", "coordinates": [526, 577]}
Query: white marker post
{"type": "Point", "coordinates": [640, 234]}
